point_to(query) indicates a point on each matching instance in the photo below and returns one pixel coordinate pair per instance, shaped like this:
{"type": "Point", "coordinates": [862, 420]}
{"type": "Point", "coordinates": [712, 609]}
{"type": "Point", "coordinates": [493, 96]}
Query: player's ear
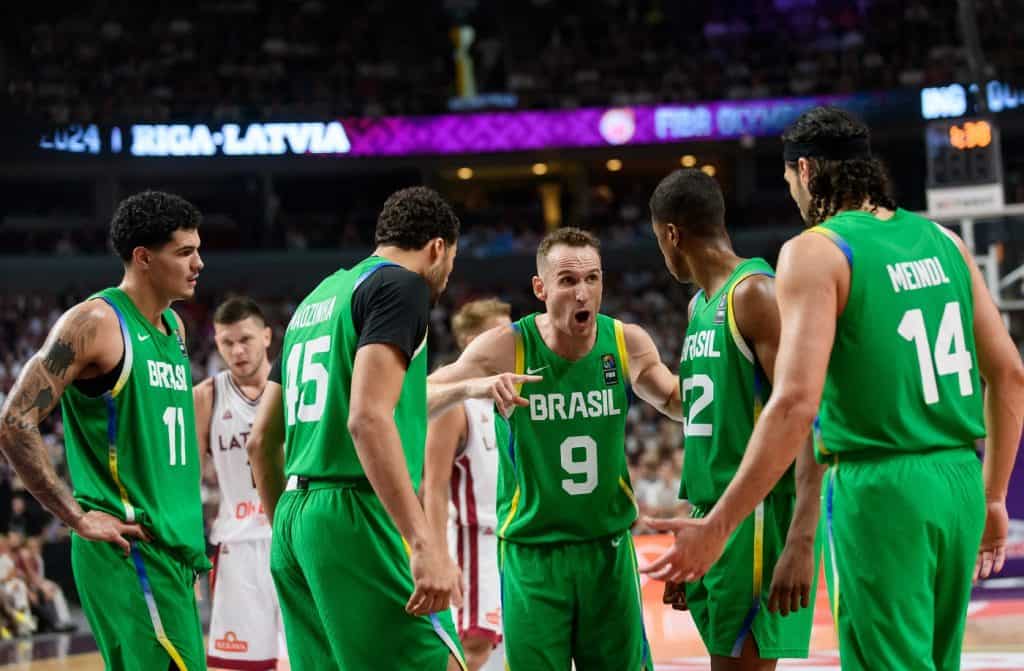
{"type": "Point", "coordinates": [803, 167]}
{"type": "Point", "coordinates": [268, 336]}
{"type": "Point", "coordinates": [141, 257]}
{"type": "Point", "coordinates": [538, 289]}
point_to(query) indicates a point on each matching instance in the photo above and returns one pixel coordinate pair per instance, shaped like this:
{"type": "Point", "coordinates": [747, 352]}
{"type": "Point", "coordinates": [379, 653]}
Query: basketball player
{"type": "Point", "coordinates": [351, 540]}
{"type": "Point", "coordinates": [462, 456]}
{"type": "Point", "coordinates": [725, 371]}
{"type": "Point", "coordinates": [245, 624]}
{"type": "Point", "coordinates": [886, 323]}
{"type": "Point", "coordinates": [118, 365]}
{"type": "Point", "coordinates": [570, 589]}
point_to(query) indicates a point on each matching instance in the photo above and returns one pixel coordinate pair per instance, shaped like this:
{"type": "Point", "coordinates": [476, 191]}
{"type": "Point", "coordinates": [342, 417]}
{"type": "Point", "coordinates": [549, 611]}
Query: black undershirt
{"type": "Point", "coordinates": [390, 307]}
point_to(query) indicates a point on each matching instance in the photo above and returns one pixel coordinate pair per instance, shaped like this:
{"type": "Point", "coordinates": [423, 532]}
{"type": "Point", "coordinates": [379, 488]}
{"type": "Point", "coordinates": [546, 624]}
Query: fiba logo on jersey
{"type": "Point", "coordinates": [723, 305]}
{"type": "Point", "coordinates": [231, 643]}
{"type": "Point", "coordinates": [618, 125]}
{"type": "Point", "coordinates": [610, 369]}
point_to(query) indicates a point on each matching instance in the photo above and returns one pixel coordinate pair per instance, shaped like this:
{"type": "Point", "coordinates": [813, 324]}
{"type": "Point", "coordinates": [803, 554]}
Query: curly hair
{"type": "Point", "coordinates": [691, 200]}
{"type": "Point", "coordinates": [413, 217]}
{"type": "Point", "coordinates": [837, 185]}
{"type": "Point", "coordinates": [149, 219]}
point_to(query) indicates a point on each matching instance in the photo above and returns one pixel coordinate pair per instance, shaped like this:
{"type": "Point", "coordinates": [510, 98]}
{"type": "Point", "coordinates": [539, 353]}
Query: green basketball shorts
{"type": "Point", "coordinates": [342, 575]}
{"type": "Point", "coordinates": [581, 602]}
{"type": "Point", "coordinates": [141, 608]}
{"type": "Point", "coordinates": [903, 533]}
{"type": "Point", "coordinates": [730, 602]}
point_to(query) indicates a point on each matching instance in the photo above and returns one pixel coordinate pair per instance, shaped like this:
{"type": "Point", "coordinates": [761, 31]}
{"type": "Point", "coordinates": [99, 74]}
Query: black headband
{"type": "Point", "coordinates": [830, 149]}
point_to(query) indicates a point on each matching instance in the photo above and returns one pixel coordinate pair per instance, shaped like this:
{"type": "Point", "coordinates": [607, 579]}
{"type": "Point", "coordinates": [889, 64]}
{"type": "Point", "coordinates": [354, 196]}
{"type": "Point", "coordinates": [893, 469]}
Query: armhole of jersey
{"type": "Point", "coordinates": [693, 305]}
{"type": "Point", "coordinates": [520, 359]}
{"type": "Point", "coordinates": [839, 241]}
{"type": "Point", "coordinates": [730, 310]}
{"type": "Point", "coordinates": [620, 344]}
{"type": "Point", "coordinates": [126, 366]}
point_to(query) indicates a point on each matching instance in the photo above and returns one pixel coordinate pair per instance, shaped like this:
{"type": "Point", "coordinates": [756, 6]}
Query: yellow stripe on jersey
{"type": "Point", "coordinates": [620, 343]}
{"type": "Point", "coordinates": [629, 492]}
{"type": "Point", "coordinates": [734, 328]}
{"type": "Point", "coordinates": [511, 511]}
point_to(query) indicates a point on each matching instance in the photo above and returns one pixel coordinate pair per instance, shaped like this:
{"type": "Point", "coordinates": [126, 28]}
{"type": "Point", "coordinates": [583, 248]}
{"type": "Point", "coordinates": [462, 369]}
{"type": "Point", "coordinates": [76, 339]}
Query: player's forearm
{"type": "Point", "coordinates": [1004, 413]}
{"type": "Point", "coordinates": [443, 395]}
{"type": "Point", "coordinates": [809, 474]}
{"type": "Point", "coordinates": [435, 506]}
{"type": "Point", "coordinates": [779, 434]}
{"type": "Point", "coordinates": [379, 448]}
{"type": "Point", "coordinates": [24, 448]}
{"type": "Point", "coordinates": [266, 458]}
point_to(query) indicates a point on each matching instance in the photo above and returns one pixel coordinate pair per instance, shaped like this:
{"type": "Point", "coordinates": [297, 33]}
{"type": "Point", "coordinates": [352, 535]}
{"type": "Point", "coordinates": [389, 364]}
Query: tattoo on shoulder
{"type": "Point", "coordinates": [70, 342]}
{"type": "Point", "coordinates": [59, 358]}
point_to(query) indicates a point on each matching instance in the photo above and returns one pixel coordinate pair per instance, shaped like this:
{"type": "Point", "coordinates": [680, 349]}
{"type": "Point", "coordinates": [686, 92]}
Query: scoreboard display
{"type": "Point", "coordinates": [962, 152]}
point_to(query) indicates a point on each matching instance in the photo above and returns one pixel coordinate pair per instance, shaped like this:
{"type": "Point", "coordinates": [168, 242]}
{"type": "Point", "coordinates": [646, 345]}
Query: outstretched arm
{"type": "Point", "coordinates": [651, 379]}
{"type": "Point", "coordinates": [811, 270]}
{"type": "Point", "coordinates": [78, 346]}
{"type": "Point", "coordinates": [486, 369]}
{"type": "Point", "coordinates": [757, 315]}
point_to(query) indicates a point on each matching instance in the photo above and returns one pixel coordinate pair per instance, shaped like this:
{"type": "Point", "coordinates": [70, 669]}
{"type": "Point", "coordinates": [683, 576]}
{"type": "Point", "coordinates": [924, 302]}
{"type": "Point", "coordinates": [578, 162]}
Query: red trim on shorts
{"type": "Point", "coordinates": [457, 499]}
{"type": "Point", "coordinates": [474, 547]}
{"type": "Point", "coordinates": [479, 632]}
{"type": "Point", "coordinates": [214, 560]}
{"type": "Point", "coordinates": [241, 664]}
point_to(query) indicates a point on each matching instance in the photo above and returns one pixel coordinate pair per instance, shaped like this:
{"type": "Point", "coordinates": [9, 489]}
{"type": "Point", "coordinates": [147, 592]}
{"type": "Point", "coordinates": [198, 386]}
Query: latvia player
{"type": "Point", "coordinates": [462, 460]}
{"type": "Point", "coordinates": [245, 626]}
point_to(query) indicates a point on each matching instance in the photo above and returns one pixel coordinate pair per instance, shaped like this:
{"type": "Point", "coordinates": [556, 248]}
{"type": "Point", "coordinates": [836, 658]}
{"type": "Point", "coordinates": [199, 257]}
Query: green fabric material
{"type": "Point", "coordinates": [573, 602]}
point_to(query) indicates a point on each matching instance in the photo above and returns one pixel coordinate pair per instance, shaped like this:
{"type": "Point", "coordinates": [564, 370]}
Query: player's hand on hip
{"type": "Point", "coordinates": [437, 581]}
{"type": "Point", "coordinates": [792, 578]}
{"type": "Point", "coordinates": [502, 389]}
{"type": "Point", "coordinates": [696, 548]}
{"type": "Point", "coordinates": [99, 526]}
{"type": "Point", "coordinates": [992, 553]}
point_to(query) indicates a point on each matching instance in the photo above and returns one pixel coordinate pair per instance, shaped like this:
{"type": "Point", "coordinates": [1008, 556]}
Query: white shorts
{"type": "Point", "coordinates": [245, 624]}
{"type": "Point", "coordinates": [475, 549]}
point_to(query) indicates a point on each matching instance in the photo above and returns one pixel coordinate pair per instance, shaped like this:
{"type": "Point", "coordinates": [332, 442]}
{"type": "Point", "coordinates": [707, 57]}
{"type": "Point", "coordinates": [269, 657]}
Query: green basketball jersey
{"type": "Point", "coordinates": [723, 389]}
{"type": "Point", "coordinates": [903, 375]}
{"type": "Point", "coordinates": [133, 452]}
{"type": "Point", "coordinates": [563, 475]}
{"type": "Point", "coordinates": [318, 354]}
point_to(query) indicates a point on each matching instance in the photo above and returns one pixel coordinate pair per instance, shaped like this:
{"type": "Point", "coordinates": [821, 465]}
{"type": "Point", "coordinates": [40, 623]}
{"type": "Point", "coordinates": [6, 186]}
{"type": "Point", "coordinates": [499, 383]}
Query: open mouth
{"type": "Point", "coordinates": [581, 316]}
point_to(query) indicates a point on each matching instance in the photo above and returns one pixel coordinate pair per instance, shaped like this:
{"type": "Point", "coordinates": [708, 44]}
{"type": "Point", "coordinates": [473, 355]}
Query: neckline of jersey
{"type": "Point", "coordinates": [897, 216]}
{"type": "Point", "coordinates": [725, 285]}
{"type": "Point", "coordinates": [146, 323]}
{"type": "Point", "coordinates": [568, 362]}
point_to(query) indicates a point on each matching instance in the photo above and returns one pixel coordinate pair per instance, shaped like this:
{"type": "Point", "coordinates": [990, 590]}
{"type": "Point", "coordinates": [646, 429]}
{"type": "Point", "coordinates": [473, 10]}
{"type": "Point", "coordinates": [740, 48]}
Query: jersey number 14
{"type": "Point", "coordinates": [950, 352]}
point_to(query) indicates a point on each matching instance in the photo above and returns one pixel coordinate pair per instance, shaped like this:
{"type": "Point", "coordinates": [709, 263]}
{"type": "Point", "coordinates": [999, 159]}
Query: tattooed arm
{"type": "Point", "coordinates": [84, 343]}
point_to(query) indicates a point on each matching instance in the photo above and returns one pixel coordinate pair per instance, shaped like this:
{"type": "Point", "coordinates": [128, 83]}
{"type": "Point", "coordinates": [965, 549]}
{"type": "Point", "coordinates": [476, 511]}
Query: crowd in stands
{"type": "Point", "coordinates": [256, 59]}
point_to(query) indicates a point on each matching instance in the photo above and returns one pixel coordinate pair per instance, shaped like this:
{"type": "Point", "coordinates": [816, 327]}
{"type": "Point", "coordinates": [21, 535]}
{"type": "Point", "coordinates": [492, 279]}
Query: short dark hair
{"type": "Point", "coordinates": [569, 236]}
{"type": "Point", "coordinates": [838, 185]}
{"type": "Point", "coordinates": [237, 308]}
{"type": "Point", "coordinates": [692, 200]}
{"type": "Point", "coordinates": [413, 217]}
{"type": "Point", "coordinates": [149, 219]}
